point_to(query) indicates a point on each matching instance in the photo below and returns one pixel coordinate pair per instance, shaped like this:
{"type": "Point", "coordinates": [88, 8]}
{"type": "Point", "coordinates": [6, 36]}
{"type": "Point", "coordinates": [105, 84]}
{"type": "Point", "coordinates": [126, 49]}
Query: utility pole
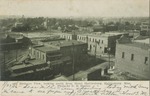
{"type": "Point", "coordinates": [73, 67]}
{"type": "Point", "coordinates": [4, 61]}
{"type": "Point", "coordinates": [109, 56]}
{"type": "Point", "coordinates": [95, 50]}
{"type": "Point", "coordinates": [16, 54]}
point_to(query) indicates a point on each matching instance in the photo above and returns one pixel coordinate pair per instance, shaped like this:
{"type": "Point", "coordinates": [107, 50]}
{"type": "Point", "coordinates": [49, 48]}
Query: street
{"type": "Point", "coordinates": [82, 75]}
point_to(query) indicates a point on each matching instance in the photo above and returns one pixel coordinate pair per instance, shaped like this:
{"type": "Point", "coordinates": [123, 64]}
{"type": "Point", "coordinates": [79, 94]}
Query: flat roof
{"type": "Point", "coordinates": [22, 73]}
{"type": "Point", "coordinates": [31, 63]}
{"type": "Point", "coordinates": [106, 34]}
{"type": "Point", "coordinates": [65, 43]}
{"type": "Point", "coordinates": [146, 41]}
{"type": "Point", "coordinates": [137, 44]}
{"type": "Point", "coordinates": [46, 49]}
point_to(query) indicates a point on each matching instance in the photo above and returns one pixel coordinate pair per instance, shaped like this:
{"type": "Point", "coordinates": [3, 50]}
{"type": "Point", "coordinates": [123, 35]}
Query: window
{"type": "Point", "coordinates": [34, 52]}
{"type": "Point", "coordinates": [89, 39]}
{"type": "Point", "coordinates": [43, 57]}
{"type": "Point", "coordinates": [146, 60]}
{"type": "Point", "coordinates": [132, 57]}
{"type": "Point", "coordinates": [38, 54]}
{"type": "Point", "coordinates": [102, 41]}
{"type": "Point", "coordinates": [122, 54]}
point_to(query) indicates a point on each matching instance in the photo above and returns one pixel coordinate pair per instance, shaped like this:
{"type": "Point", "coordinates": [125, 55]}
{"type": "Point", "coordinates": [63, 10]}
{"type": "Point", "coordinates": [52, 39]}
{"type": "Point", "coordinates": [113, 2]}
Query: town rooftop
{"type": "Point", "coordinates": [46, 49]}
{"type": "Point", "coordinates": [65, 43]}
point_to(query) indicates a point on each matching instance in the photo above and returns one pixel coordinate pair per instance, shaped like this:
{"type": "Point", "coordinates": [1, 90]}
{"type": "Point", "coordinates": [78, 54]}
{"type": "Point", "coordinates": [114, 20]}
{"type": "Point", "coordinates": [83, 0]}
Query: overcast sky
{"type": "Point", "coordinates": [77, 8]}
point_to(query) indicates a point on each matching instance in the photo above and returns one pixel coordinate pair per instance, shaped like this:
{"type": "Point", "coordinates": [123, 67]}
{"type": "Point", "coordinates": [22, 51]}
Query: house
{"type": "Point", "coordinates": [133, 57]}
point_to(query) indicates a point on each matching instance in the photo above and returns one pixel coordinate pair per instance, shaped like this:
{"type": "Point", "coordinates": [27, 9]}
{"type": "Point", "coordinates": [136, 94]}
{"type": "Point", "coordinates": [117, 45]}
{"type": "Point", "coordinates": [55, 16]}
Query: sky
{"type": "Point", "coordinates": [75, 8]}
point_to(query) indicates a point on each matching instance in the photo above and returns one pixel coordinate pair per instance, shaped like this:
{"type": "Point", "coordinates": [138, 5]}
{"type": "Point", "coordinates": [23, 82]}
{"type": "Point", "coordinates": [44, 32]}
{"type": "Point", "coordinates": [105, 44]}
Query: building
{"type": "Point", "coordinates": [8, 43]}
{"type": "Point", "coordinates": [45, 53]}
{"type": "Point", "coordinates": [86, 29]}
{"type": "Point", "coordinates": [70, 52]}
{"type": "Point", "coordinates": [145, 29]}
{"type": "Point", "coordinates": [133, 57]}
{"type": "Point", "coordinates": [31, 70]}
{"type": "Point", "coordinates": [76, 50]}
{"type": "Point", "coordinates": [18, 24]}
{"type": "Point", "coordinates": [100, 42]}
{"type": "Point", "coordinates": [51, 56]}
{"type": "Point", "coordinates": [68, 36]}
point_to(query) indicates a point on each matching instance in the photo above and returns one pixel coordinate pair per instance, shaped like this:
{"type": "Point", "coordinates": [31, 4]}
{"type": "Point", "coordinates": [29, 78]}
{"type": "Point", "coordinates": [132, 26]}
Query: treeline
{"type": "Point", "coordinates": [63, 24]}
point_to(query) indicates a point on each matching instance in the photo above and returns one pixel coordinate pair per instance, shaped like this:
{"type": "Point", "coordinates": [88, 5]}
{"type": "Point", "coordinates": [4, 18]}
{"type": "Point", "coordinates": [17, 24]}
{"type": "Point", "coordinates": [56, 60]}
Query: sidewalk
{"type": "Point", "coordinates": [104, 57]}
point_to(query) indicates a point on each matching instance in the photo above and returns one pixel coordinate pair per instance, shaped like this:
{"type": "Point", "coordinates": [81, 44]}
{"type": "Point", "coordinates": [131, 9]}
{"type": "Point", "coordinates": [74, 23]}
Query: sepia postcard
{"type": "Point", "coordinates": [74, 47]}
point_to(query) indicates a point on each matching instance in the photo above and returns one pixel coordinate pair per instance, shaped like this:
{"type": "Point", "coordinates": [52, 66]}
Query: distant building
{"type": "Point", "coordinates": [133, 57]}
{"type": "Point", "coordinates": [134, 33]}
{"type": "Point", "coordinates": [100, 42]}
{"type": "Point", "coordinates": [18, 24]}
{"type": "Point", "coordinates": [145, 29]}
{"type": "Point", "coordinates": [98, 28]}
{"type": "Point", "coordinates": [86, 29]}
{"type": "Point", "coordinates": [26, 42]}
{"type": "Point", "coordinates": [68, 36]}
{"type": "Point", "coordinates": [8, 43]}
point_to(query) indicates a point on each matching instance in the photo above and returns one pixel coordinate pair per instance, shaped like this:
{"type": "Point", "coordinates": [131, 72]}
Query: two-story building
{"type": "Point", "coordinates": [145, 29]}
{"type": "Point", "coordinates": [76, 50]}
{"type": "Point", "coordinates": [68, 36]}
{"type": "Point", "coordinates": [99, 42]}
{"type": "Point", "coordinates": [133, 57]}
{"type": "Point", "coordinates": [52, 56]}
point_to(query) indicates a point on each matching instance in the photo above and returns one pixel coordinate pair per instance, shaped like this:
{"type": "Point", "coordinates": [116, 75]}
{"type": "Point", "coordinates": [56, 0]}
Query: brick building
{"type": "Point", "coordinates": [100, 42]}
{"type": "Point", "coordinates": [72, 52]}
{"type": "Point", "coordinates": [70, 48]}
{"type": "Point", "coordinates": [133, 57]}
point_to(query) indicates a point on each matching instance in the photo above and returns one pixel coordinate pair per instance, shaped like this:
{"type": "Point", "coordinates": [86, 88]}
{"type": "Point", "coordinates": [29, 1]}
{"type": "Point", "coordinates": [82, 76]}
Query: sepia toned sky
{"type": "Point", "coordinates": [76, 8]}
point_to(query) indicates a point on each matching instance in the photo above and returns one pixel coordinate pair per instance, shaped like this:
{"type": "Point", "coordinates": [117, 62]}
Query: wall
{"type": "Point", "coordinates": [38, 54]}
{"type": "Point", "coordinates": [137, 66]}
{"type": "Point", "coordinates": [80, 51]}
{"type": "Point", "coordinates": [101, 45]}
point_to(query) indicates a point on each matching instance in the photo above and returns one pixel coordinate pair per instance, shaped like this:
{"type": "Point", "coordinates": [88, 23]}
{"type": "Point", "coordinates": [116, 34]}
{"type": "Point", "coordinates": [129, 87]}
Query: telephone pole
{"type": "Point", "coordinates": [109, 56]}
{"type": "Point", "coordinates": [73, 67]}
{"type": "Point", "coordinates": [95, 50]}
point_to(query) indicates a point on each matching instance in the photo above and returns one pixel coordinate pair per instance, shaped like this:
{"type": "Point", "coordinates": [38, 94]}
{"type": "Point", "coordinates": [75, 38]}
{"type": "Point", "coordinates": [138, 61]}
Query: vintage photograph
{"type": "Point", "coordinates": [74, 40]}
